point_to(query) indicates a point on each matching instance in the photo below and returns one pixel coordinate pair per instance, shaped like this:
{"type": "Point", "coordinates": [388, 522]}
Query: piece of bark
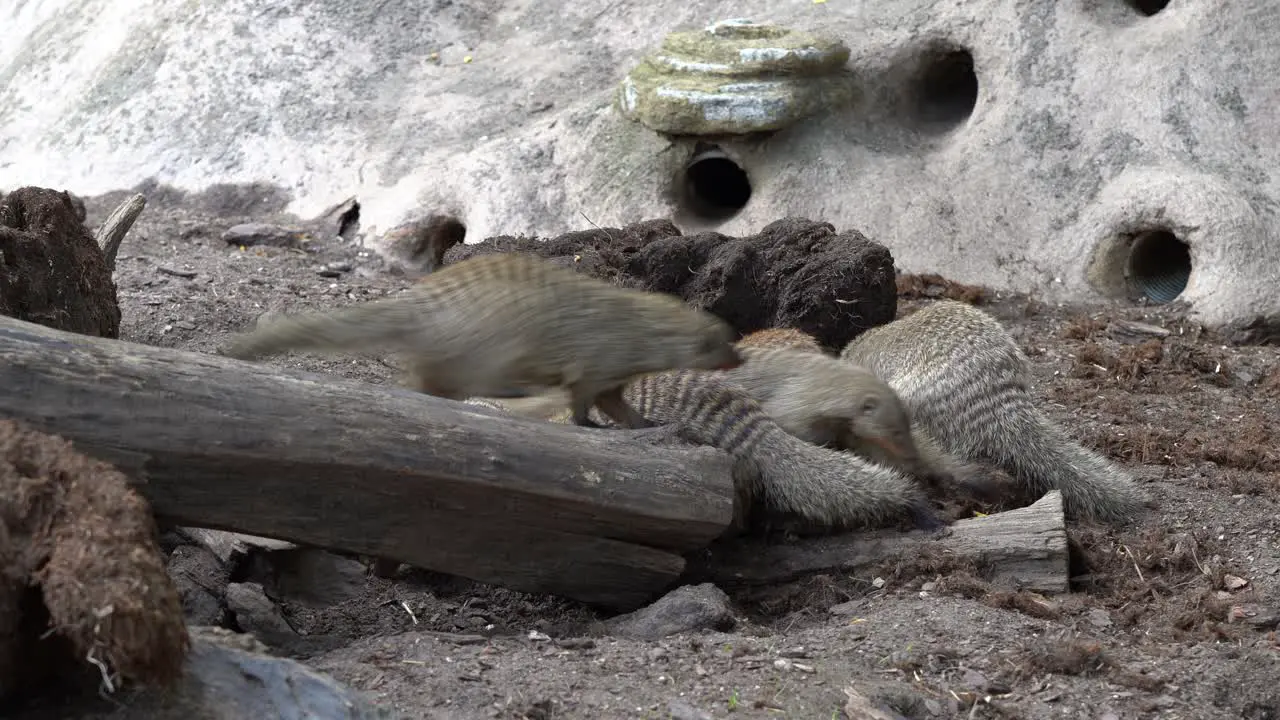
{"type": "Point", "coordinates": [112, 231]}
{"type": "Point", "coordinates": [1024, 548]}
{"type": "Point", "coordinates": [595, 515]}
{"type": "Point", "coordinates": [230, 547]}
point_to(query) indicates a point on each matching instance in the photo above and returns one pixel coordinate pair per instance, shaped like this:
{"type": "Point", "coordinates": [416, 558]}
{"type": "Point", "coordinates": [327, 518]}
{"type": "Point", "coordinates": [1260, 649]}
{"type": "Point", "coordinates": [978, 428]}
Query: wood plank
{"type": "Point", "coordinates": [1023, 548]}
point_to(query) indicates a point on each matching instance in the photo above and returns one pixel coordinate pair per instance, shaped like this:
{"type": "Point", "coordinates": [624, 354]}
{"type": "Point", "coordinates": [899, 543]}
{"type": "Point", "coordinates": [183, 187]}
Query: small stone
{"type": "Point", "coordinates": [308, 576]}
{"type": "Point", "coordinates": [251, 234]}
{"type": "Point", "coordinates": [334, 269]}
{"type": "Point", "coordinates": [847, 609]}
{"type": "Point", "coordinates": [1233, 582]}
{"type": "Point", "coordinates": [685, 609]}
{"type": "Point", "coordinates": [681, 710]}
{"type": "Point", "coordinates": [255, 613]}
{"type": "Point", "coordinates": [1257, 616]}
{"type": "Point", "coordinates": [576, 643]}
{"type": "Point", "coordinates": [200, 580]}
{"type": "Point", "coordinates": [975, 680]}
{"type": "Point", "coordinates": [1099, 618]}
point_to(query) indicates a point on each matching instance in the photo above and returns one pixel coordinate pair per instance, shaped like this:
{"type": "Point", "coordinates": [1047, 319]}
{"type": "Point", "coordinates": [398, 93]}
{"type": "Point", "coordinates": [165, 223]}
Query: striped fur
{"type": "Point", "coordinates": [966, 381]}
{"type": "Point", "coordinates": [781, 337]}
{"type": "Point", "coordinates": [825, 488]}
{"type": "Point", "coordinates": [921, 456]}
{"type": "Point", "coordinates": [822, 400]}
{"type": "Point", "coordinates": [506, 324]}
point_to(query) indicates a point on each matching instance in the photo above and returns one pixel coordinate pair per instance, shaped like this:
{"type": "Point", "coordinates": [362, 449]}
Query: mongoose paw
{"type": "Point", "coordinates": [924, 517]}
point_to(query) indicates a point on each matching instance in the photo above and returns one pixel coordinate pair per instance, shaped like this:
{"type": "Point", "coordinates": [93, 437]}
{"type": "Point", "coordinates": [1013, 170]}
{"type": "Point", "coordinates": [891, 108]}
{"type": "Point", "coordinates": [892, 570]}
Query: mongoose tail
{"type": "Point", "coordinates": [508, 324]}
{"type": "Point", "coordinates": [966, 381]}
{"type": "Point", "coordinates": [780, 337]}
{"type": "Point", "coordinates": [366, 325]}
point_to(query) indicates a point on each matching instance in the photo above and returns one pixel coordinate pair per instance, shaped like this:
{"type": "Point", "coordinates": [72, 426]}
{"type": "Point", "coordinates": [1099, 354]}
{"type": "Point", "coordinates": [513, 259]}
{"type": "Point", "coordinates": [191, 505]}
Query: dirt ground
{"type": "Point", "coordinates": [1174, 618]}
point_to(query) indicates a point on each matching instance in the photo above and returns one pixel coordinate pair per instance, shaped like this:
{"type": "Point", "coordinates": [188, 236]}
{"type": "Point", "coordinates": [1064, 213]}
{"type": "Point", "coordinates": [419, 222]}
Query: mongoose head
{"type": "Point", "coordinates": [881, 429]}
{"type": "Point", "coordinates": [692, 339]}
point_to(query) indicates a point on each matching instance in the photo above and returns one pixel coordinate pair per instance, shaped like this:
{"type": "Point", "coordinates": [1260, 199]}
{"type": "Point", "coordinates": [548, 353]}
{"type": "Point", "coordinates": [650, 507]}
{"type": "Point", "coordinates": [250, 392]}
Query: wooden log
{"type": "Point", "coordinates": [596, 515]}
{"type": "Point", "coordinates": [1023, 548]}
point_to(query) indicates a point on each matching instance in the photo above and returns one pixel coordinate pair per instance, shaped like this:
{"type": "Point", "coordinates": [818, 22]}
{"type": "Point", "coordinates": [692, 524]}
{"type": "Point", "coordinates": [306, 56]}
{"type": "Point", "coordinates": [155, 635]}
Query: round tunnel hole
{"type": "Point", "coordinates": [947, 87]}
{"type": "Point", "coordinates": [1159, 265]}
{"type": "Point", "coordinates": [1147, 7]}
{"type": "Point", "coordinates": [715, 187]}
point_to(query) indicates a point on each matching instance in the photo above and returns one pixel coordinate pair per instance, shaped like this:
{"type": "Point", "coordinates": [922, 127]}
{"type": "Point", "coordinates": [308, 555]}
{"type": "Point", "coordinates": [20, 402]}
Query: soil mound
{"type": "Point", "coordinates": [52, 272]}
{"type": "Point", "coordinates": [794, 273]}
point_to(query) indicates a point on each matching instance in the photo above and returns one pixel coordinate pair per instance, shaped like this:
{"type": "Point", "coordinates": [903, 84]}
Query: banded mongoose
{"type": "Point", "coordinates": [827, 489]}
{"type": "Point", "coordinates": [931, 463]}
{"type": "Point", "coordinates": [966, 381]}
{"type": "Point", "coordinates": [500, 325]}
{"type": "Point", "coordinates": [828, 402]}
{"type": "Point", "coordinates": [780, 337]}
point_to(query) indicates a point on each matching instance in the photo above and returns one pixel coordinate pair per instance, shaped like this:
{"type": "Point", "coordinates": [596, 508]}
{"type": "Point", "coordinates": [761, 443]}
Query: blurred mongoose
{"type": "Point", "coordinates": [780, 337]}
{"type": "Point", "coordinates": [826, 489]}
{"type": "Point", "coordinates": [501, 325]}
{"type": "Point", "coordinates": [920, 455]}
{"type": "Point", "coordinates": [965, 380]}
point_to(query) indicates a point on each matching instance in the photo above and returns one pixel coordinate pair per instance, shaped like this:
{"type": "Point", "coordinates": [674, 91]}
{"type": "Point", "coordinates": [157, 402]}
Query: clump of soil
{"type": "Point", "coordinates": [73, 530]}
{"type": "Point", "coordinates": [794, 273]}
{"type": "Point", "coordinates": [420, 245]}
{"type": "Point", "coordinates": [52, 272]}
{"type": "Point", "coordinates": [935, 287]}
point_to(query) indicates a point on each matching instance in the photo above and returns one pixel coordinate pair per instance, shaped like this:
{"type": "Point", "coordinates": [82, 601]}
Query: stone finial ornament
{"type": "Point", "coordinates": [735, 77]}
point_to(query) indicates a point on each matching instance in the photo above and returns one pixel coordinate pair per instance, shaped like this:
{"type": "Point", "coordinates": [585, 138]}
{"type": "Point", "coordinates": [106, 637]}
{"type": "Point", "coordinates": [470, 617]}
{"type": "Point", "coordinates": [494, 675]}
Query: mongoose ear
{"type": "Point", "coordinates": [870, 404]}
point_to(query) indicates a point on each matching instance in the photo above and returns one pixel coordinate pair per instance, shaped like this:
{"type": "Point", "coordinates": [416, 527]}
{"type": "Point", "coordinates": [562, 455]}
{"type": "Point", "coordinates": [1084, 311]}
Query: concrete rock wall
{"type": "Point", "coordinates": [1076, 149]}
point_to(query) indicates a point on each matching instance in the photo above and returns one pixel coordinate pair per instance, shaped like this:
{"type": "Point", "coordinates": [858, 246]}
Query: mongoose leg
{"type": "Point", "coordinates": [612, 404]}
{"type": "Point", "coordinates": [580, 403]}
{"type": "Point", "coordinates": [925, 518]}
{"type": "Point", "coordinates": [420, 379]}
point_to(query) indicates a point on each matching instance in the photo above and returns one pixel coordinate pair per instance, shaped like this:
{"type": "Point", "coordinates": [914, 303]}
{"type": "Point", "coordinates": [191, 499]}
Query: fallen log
{"type": "Point", "coordinates": [597, 515]}
{"type": "Point", "coordinates": [1024, 548]}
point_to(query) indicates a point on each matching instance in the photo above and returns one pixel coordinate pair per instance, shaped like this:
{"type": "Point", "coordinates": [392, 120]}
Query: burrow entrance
{"type": "Point", "coordinates": [1159, 265]}
{"type": "Point", "coordinates": [945, 89]}
{"type": "Point", "coordinates": [1154, 264]}
{"type": "Point", "coordinates": [713, 186]}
